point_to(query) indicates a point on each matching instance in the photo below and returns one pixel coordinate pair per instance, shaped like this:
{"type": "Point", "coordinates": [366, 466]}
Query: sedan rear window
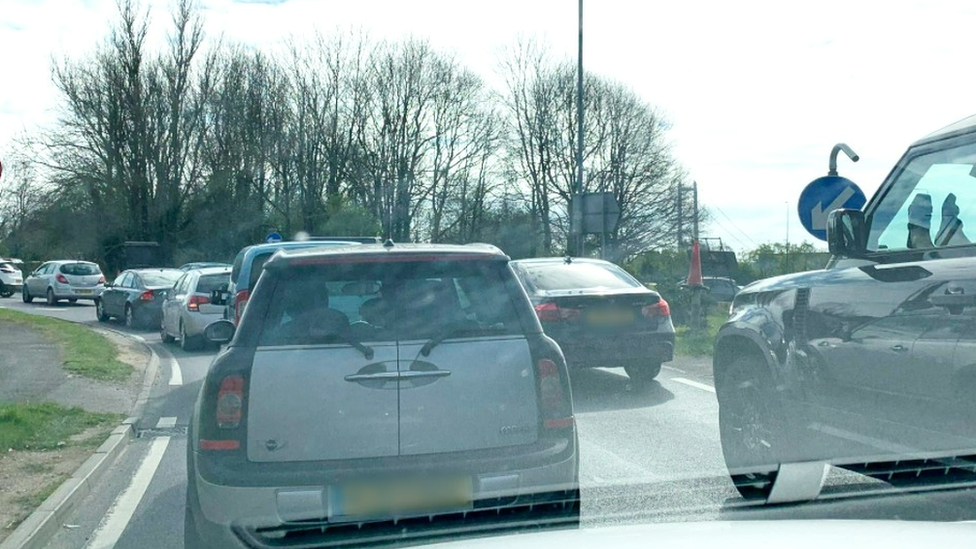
{"type": "Point", "coordinates": [80, 269]}
{"type": "Point", "coordinates": [161, 279]}
{"type": "Point", "coordinates": [577, 276]}
{"type": "Point", "coordinates": [388, 302]}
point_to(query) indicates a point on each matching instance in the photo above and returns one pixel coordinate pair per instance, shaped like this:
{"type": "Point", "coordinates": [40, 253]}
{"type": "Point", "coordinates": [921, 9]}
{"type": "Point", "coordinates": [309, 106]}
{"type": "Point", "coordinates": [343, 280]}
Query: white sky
{"type": "Point", "coordinates": [758, 91]}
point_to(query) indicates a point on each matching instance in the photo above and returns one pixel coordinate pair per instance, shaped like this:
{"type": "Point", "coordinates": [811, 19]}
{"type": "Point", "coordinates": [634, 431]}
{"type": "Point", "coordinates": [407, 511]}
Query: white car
{"type": "Point", "coordinates": [187, 310]}
{"type": "Point", "coordinates": [11, 279]}
{"type": "Point", "coordinates": [64, 279]}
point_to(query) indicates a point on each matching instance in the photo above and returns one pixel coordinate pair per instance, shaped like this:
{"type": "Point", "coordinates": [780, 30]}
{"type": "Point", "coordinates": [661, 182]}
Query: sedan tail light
{"type": "Point", "coordinates": [60, 278]}
{"type": "Point", "coordinates": [148, 295]}
{"type": "Point", "coordinates": [656, 310]}
{"type": "Point", "coordinates": [554, 403]}
{"type": "Point", "coordinates": [195, 301]}
{"type": "Point", "coordinates": [551, 312]}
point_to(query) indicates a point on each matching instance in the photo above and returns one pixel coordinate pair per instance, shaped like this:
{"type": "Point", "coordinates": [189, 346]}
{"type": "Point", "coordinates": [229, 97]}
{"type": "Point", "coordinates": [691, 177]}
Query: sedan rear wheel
{"type": "Point", "coordinates": [100, 311]}
{"type": "Point", "coordinates": [51, 300]}
{"type": "Point", "coordinates": [130, 317]}
{"type": "Point", "coordinates": [643, 373]}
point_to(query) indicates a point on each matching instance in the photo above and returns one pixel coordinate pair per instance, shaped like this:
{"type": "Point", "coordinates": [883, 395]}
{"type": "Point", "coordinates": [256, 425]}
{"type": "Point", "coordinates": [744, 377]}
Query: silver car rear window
{"type": "Point", "coordinates": [388, 301]}
{"type": "Point", "coordinates": [80, 269]}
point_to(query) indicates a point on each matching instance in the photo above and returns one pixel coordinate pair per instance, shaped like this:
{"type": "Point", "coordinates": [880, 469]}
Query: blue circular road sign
{"type": "Point", "coordinates": [273, 237]}
{"type": "Point", "coordinates": [824, 195]}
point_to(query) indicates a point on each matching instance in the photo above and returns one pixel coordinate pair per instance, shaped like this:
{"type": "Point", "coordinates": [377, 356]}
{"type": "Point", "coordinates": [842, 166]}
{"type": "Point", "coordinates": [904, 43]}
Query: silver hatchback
{"type": "Point", "coordinates": [385, 393]}
{"type": "Point", "coordinates": [64, 279]}
{"type": "Point", "coordinates": [187, 309]}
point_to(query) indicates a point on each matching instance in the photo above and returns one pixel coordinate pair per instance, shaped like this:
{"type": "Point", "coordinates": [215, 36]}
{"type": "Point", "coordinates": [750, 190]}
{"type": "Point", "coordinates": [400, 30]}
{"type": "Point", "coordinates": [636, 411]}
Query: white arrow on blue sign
{"type": "Point", "coordinates": [273, 237]}
{"type": "Point", "coordinates": [824, 195]}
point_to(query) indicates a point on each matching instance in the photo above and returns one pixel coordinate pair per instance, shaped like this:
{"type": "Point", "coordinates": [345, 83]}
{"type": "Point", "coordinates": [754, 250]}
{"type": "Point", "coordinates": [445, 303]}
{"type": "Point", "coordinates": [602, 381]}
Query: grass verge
{"type": "Point", "coordinates": [690, 343]}
{"type": "Point", "coordinates": [47, 426]}
{"type": "Point", "coordinates": [84, 352]}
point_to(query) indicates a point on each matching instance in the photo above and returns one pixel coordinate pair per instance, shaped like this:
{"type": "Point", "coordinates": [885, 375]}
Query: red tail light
{"type": "Point", "coordinates": [550, 312]}
{"type": "Point", "coordinates": [196, 301]}
{"type": "Point", "coordinates": [240, 300]}
{"type": "Point", "coordinates": [659, 309]}
{"type": "Point", "coordinates": [230, 402]}
{"type": "Point", "coordinates": [60, 278]}
{"type": "Point", "coordinates": [147, 296]}
{"type": "Point", "coordinates": [554, 403]}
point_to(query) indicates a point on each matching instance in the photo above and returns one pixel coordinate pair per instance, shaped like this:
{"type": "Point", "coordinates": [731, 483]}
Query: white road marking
{"type": "Point", "coordinates": [166, 423]}
{"type": "Point", "coordinates": [672, 368]}
{"type": "Point", "coordinates": [175, 373]}
{"type": "Point", "coordinates": [118, 517]}
{"type": "Point", "coordinates": [694, 384]}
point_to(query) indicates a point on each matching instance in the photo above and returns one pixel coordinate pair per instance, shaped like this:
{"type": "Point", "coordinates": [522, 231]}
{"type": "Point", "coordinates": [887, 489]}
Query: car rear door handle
{"type": "Point", "coordinates": [381, 376]}
{"type": "Point", "coordinates": [899, 348]}
{"type": "Point", "coordinates": [415, 374]}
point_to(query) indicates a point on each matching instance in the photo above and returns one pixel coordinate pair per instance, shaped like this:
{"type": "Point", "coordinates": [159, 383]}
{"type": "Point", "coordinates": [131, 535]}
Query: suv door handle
{"type": "Point", "coordinates": [899, 348]}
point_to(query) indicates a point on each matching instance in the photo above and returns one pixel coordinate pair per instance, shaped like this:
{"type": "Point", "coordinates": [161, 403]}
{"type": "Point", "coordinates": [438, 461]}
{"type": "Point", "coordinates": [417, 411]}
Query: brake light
{"type": "Point", "coordinates": [147, 296]}
{"type": "Point", "coordinates": [659, 309]}
{"type": "Point", "coordinates": [196, 301]}
{"type": "Point", "coordinates": [553, 402]}
{"type": "Point", "coordinates": [550, 312]}
{"type": "Point", "coordinates": [240, 300]}
{"type": "Point", "coordinates": [230, 402]}
{"type": "Point", "coordinates": [60, 278]}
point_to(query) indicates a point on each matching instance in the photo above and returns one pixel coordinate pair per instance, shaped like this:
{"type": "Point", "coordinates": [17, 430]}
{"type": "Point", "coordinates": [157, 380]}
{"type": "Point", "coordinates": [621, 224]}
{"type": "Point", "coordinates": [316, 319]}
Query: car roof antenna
{"type": "Point", "coordinates": [388, 244]}
{"type": "Point", "coordinates": [568, 260]}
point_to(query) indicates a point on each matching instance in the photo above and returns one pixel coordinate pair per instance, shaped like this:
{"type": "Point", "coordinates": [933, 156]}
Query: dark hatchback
{"type": "Point", "coordinates": [599, 314]}
{"type": "Point", "coordinates": [136, 296]}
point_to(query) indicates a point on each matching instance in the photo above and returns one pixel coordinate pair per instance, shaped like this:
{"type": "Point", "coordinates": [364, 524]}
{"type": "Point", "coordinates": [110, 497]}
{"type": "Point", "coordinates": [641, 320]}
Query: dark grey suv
{"type": "Point", "coordinates": [867, 364]}
{"type": "Point", "coordinates": [381, 392]}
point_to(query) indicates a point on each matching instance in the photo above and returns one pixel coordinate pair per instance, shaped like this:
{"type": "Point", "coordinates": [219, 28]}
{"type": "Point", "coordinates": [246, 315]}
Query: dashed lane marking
{"type": "Point", "coordinates": [694, 384]}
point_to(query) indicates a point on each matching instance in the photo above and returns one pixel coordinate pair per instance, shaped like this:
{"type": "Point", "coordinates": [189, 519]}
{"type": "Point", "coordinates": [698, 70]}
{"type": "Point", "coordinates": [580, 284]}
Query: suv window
{"type": "Point", "coordinates": [388, 301]}
{"type": "Point", "coordinates": [928, 203]}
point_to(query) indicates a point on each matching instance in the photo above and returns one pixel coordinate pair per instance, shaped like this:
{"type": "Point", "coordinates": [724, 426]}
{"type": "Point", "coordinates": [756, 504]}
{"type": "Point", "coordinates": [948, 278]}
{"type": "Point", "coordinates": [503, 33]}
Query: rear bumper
{"type": "Point", "coordinates": [258, 516]}
{"type": "Point", "coordinates": [617, 349]}
{"type": "Point", "coordinates": [72, 292]}
{"type": "Point", "coordinates": [196, 323]}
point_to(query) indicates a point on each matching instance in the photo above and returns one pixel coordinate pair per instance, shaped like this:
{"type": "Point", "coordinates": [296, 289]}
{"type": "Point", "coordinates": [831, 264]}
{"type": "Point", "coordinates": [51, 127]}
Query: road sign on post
{"type": "Point", "coordinates": [592, 210]}
{"type": "Point", "coordinates": [273, 237]}
{"type": "Point", "coordinates": [822, 196]}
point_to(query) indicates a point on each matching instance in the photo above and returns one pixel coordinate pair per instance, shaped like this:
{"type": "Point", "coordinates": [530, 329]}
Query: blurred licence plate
{"type": "Point", "coordinates": [610, 317]}
{"type": "Point", "coordinates": [401, 497]}
{"type": "Point", "coordinates": [83, 292]}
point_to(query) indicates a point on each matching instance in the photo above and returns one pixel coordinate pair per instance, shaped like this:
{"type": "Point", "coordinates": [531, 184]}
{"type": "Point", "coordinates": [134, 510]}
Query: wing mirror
{"type": "Point", "coordinates": [219, 331]}
{"type": "Point", "coordinates": [847, 233]}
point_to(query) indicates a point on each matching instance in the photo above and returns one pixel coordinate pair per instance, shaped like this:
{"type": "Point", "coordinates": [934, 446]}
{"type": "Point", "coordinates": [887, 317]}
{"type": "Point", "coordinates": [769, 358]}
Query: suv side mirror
{"type": "Point", "coordinates": [847, 233]}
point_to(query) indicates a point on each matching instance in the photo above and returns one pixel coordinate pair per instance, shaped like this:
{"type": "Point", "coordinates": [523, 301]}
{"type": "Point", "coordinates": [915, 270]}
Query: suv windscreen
{"type": "Point", "coordinates": [929, 202]}
{"type": "Point", "coordinates": [388, 301]}
{"type": "Point", "coordinates": [579, 275]}
{"type": "Point", "coordinates": [80, 269]}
